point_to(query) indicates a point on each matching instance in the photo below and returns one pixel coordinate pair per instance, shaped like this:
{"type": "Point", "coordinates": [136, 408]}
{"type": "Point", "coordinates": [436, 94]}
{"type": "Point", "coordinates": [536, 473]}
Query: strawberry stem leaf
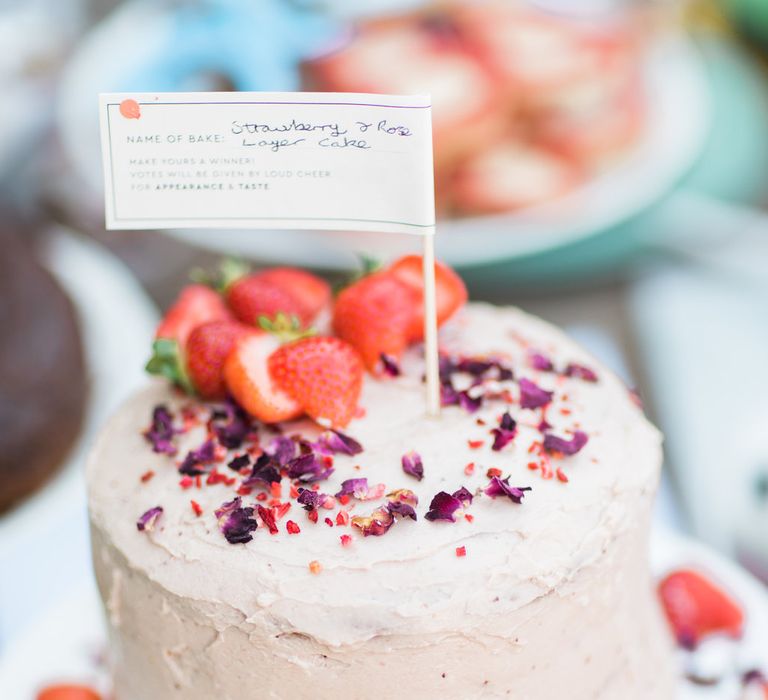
{"type": "Point", "coordinates": [230, 270]}
{"type": "Point", "coordinates": [285, 327]}
{"type": "Point", "coordinates": [166, 361]}
{"type": "Point", "coordinates": [368, 265]}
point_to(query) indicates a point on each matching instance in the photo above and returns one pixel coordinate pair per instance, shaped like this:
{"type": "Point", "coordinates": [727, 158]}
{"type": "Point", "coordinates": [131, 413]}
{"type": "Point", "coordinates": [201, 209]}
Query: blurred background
{"type": "Point", "coordinates": [624, 199]}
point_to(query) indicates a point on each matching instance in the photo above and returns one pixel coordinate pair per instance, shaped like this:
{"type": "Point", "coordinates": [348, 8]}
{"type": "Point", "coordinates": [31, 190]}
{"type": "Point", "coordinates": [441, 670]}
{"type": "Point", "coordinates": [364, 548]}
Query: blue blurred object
{"type": "Point", "coordinates": [255, 45]}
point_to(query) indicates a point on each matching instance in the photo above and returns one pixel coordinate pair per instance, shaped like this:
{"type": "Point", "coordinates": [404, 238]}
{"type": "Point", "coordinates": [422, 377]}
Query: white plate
{"type": "Point", "coordinates": [68, 643]}
{"type": "Point", "coordinates": [678, 119]}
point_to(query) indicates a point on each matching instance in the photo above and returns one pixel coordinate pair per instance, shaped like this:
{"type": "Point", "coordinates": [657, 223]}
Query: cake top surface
{"type": "Point", "coordinates": [311, 556]}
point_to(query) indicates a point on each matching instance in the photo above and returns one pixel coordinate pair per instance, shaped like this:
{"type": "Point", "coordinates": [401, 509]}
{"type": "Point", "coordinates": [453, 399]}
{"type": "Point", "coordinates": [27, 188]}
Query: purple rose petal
{"type": "Point", "coordinates": [505, 433]}
{"type": "Point", "coordinates": [336, 442]}
{"type": "Point", "coordinates": [413, 465]}
{"type": "Point", "coordinates": [195, 459]}
{"type": "Point", "coordinates": [308, 468]}
{"type": "Point", "coordinates": [448, 395]}
{"type": "Point", "coordinates": [541, 362]}
{"type": "Point", "coordinates": [464, 495]}
{"type": "Point", "coordinates": [147, 521]}
{"type": "Point", "coordinates": [533, 396]}
{"type": "Point", "coordinates": [282, 449]}
{"type": "Point", "coordinates": [580, 372]}
{"type": "Point", "coordinates": [235, 522]}
{"type": "Point", "coordinates": [239, 462]}
{"type": "Point", "coordinates": [311, 500]}
{"type": "Point", "coordinates": [474, 366]}
{"type": "Point", "coordinates": [265, 472]}
{"type": "Point", "coordinates": [446, 367]}
{"type": "Point", "coordinates": [469, 403]}
{"type": "Point", "coordinates": [232, 434]}
{"type": "Point", "coordinates": [553, 443]}
{"type": "Point", "coordinates": [443, 507]}
{"type": "Point", "coordinates": [354, 487]}
{"type": "Point", "coordinates": [161, 432]}
{"type": "Point", "coordinates": [500, 487]}
{"type": "Point", "coordinates": [389, 365]}
{"type": "Point", "coordinates": [404, 510]}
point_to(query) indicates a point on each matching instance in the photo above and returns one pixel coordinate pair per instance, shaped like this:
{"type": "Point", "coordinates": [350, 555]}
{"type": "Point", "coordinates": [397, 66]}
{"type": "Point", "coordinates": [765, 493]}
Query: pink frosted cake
{"type": "Point", "coordinates": [499, 551]}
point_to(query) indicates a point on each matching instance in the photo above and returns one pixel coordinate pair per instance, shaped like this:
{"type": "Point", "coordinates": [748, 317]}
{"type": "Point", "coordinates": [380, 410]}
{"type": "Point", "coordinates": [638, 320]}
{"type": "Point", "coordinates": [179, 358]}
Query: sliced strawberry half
{"type": "Point", "coordinates": [451, 292]}
{"type": "Point", "coordinates": [375, 316]}
{"type": "Point", "coordinates": [197, 304]}
{"type": "Point", "coordinates": [697, 608]}
{"type": "Point", "coordinates": [247, 377]}
{"type": "Point", "coordinates": [324, 375]}
{"type": "Point", "coordinates": [207, 348]}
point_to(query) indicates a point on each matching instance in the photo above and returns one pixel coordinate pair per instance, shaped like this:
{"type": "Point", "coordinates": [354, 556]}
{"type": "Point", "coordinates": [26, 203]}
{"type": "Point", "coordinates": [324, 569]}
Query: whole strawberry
{"type": "Point", "coordinates": [375, 315]}
{"type": "Point", "coordinates": [324, 375]}
{"type": "Point", "coordinates": [195, 305]}
{"type": "Point", "coordinates": [311, 292]}
{"type": "Point", "coordinates": [696, 608]}
{"type": "Point", "coordinates": [284, 290]}
{"type": "Point", "coordinates": [207, 348]}
{"type": "Point", "coordinates": [450, 291]}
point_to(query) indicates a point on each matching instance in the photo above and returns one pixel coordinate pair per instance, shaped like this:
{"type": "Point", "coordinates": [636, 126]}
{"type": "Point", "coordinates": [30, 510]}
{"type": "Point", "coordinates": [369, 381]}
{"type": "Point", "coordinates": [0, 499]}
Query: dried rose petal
{"type": "Point", "coordinates": [553, 443]}
{"type": "Point", "coordinates": [389, 365]}
{"type": "Point", "coordinates": [375, 524]}
{"type": "Point", "coordinates": [160, 433]}
{"type": "Point", "coordinates": [232, 433]}
{"type": "Point", "coordinates": [469, 403]}
{"type": "Point", "coordinates": [308, 468]}
{"type": "Point", "coordinates": [448, 395]}
{"type": "Point", "coordinates": [505, 433]}
{"type": "Point", "coordinates": [264, 472]}
{"type": "Point", "coordinates": [191, 466]}
{"type": "Point", "coordinates": [403, 496]}
{"type": "Point", "coordinates": [533, 396]}
{"type": "Point", "coordinates": [580, 372]}
{"type": "Point", "coordinates": [282, 449]}
{"type": "Point", "coordinates": [541, 362]}
{"type": "Point", "coordinates": [239, 462]}
{"type": "Point", "coordinates": [477, 367]}
{"type": "Point", "coordinates": [443, 507]}
{"type": "Point", "coordinates": [500, 487]}
{"type": "Point", "coordinates": [311, 500]}
{"type": "Point", "coordinates": [235, 522]}
{"type": "Point", "coordinates": [147, 521]}
{"type": "Point", "coordinates": [336, 442]}
{"type": "Point", "coordinates": [464, 495]}
{"type": "Point", "coordinates": [446, 367]}
{"type": "Point", "coordinates": [404, 510]}
{"type": "Point", "coordinates": [354, 487]}
{"type": "Point", "coordinates": [413, 465]}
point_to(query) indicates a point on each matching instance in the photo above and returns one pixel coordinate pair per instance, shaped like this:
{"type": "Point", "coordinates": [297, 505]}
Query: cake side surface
{"type": "Point", "coordinates": [529, 600]}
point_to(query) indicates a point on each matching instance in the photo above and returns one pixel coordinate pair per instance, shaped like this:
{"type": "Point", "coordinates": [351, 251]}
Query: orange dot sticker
{"type": "Point", "coordinates": [130, 109]}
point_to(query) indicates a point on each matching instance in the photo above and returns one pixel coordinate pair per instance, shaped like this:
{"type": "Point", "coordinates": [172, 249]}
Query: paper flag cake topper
{"type": "Point", "coordinates": [326, 161]}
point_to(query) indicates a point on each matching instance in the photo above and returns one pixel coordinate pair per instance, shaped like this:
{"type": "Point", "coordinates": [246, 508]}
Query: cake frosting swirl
{"type": "Point", "coordinates": [542, 598]}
